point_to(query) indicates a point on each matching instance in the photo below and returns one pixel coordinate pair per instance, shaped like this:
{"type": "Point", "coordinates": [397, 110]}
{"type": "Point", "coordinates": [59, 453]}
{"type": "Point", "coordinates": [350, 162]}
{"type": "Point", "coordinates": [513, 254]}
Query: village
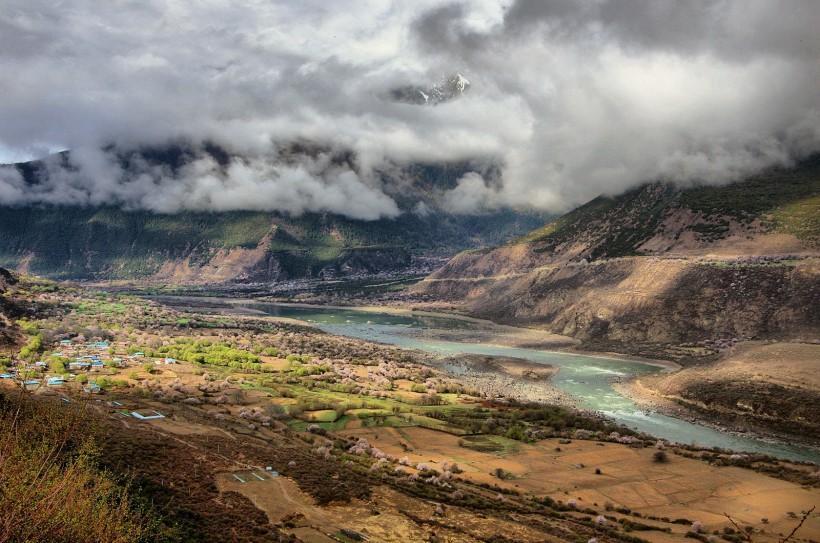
{"type": "Point", "coordinates": [80, 363]}
{"type": "Point", "coordinates": [272, 405]}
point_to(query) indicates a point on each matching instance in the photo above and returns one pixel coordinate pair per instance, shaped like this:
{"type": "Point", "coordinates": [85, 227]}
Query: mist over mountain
{"type": "Point", "coordinates": [568, 99]}
{"type": "Point", "coordinates": [221, 231]}
{"type": "Point", "coordinates": [448, 89]}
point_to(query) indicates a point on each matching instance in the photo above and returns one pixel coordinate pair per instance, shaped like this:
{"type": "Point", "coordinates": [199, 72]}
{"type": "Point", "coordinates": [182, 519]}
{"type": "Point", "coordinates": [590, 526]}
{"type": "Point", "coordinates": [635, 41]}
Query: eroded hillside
{"type": "Point", "coordinates": [762, 386]}
{"type": "Point", "coordinates": [658, 264]}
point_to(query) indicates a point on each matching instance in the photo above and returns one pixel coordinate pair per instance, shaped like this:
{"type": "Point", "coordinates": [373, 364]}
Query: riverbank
{"type": "Point", "coordinates": [485, 332]}
{"type": "Point", "coordinates": [582, 377]}
{"type": "Point", "coordinates": [652, 400]}
{"type": "Point", "coordinates": [500, 377]}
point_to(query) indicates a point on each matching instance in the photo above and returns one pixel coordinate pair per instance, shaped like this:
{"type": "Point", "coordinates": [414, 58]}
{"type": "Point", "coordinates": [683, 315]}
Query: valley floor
{"type": "Point", "coordinates": [369, 439]}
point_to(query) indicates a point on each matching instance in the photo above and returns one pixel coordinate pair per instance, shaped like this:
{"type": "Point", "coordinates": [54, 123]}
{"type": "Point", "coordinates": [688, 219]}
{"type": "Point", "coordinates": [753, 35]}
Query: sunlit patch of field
{"type": "Point", "coordinates": [679, 489]}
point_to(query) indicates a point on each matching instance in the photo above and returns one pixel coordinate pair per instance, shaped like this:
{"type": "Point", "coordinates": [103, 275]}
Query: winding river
{"type": "Point", "coordinates": [587, 378]}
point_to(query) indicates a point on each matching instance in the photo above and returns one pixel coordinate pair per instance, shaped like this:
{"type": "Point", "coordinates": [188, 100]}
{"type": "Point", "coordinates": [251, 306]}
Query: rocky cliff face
{"type": "Point", "coordinates": [658, 264]}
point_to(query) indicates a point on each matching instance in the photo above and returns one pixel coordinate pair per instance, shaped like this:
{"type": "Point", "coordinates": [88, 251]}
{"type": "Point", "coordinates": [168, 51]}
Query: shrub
{"type": "Point", "coordinates": [660, 457]}
{"type": "Point", "coordinates": [51, 487]}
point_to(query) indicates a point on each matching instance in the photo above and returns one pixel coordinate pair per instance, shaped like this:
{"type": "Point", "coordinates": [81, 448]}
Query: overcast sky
{"type": "Point", "coordinates": [571, 98]}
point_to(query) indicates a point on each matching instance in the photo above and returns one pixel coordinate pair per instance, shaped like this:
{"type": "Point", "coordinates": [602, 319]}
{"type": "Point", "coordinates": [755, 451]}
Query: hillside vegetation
{"type": "Point", "coordinates": [110, 243]}
{"type": "Point", "coordinates": [53, 489]}
{"type": "Point", "coordinates": [662, 218]}
{"type": "Point", "coordinates": [9, 310]}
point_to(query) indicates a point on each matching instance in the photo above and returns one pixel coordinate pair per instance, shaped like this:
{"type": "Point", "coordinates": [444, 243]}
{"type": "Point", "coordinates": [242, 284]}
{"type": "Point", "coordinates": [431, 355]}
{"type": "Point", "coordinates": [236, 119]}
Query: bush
{"type": "Point", "coordinates": [51, 487]}
{"type": "Point", "coordinates": [660, 457]}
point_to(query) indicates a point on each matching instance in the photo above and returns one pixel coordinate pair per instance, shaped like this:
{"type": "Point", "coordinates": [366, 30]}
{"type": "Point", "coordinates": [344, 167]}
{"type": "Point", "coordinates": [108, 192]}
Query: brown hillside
{"type": "Point", "coordinates": [641, 299]}
{"type": "Point", "coordinates": [658, 264]}
{"type": "Point", "coordinates": [756, 385]}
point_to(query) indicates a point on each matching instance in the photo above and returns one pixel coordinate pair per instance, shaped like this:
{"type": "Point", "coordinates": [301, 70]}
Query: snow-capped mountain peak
{"type": "Point", "coordinates": [447, 89]}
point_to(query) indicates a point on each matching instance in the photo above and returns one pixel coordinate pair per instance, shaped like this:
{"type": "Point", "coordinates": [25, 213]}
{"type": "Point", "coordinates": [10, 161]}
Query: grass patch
{"type": "Point", "coordinates": [498, 445]}
{"type": "Point", "coordinates": [323, 415]}
{"type": "Point", "coordinates": [435, 424]}
{"type": "Point", "coordinates": [368, 413]}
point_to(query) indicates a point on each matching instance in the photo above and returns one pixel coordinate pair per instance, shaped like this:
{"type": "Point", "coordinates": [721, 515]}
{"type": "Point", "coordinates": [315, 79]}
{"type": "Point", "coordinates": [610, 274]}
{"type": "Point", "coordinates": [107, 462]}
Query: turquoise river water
{"type": "Point", "coordinates": [587, 378]}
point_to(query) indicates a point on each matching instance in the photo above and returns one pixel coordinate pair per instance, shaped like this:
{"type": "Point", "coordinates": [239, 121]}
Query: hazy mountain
{"type": "Point", "coordinates": [113, 240]}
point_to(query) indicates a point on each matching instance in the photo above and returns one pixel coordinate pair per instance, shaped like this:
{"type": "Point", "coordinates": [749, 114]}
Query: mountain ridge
{"type": "Point", "coordinates": [659, 263]}
{"type": "Point", "coordinates": [113, 241]}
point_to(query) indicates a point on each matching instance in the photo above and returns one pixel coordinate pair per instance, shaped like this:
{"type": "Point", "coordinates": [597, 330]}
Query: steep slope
{"type": "Point", "coordinates": [111, 243]}
{"type": "Point", "coordinates": [658, 264]}
{"type": "Point", "coordinates": [9, 310]}
{"type": "Point", "coordinates": [757, 385]}
{"type": "Point", "coordinates": [116, 242]}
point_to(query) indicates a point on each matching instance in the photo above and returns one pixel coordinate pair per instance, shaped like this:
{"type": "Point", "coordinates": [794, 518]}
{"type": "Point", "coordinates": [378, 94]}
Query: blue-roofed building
{"type": "Point", "coordinates": [147, 415]}
{"type": "Point", "coordinates": [54, 381]}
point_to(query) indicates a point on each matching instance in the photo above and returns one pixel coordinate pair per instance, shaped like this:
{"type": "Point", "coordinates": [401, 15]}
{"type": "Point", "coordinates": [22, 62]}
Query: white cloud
{"type": "Point", "coordinates": [571, 98]}
{"type": "Point", "coordinates": [471, 195]}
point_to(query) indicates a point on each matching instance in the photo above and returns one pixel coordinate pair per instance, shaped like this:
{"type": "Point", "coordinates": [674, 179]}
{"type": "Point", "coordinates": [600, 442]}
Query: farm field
{"type": "Point", "coordinates": [365, 439]}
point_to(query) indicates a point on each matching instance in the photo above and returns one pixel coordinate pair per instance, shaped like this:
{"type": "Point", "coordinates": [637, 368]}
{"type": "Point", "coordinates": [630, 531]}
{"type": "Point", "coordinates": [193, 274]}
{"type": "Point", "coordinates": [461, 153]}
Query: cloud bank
{"type": "Point", "coordinates": [570, 98]}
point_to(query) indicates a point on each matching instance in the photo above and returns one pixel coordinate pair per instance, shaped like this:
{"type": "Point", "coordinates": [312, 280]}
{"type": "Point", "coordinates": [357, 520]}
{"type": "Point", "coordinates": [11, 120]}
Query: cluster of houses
{"type": "Point", "coordinates": [87, 357]}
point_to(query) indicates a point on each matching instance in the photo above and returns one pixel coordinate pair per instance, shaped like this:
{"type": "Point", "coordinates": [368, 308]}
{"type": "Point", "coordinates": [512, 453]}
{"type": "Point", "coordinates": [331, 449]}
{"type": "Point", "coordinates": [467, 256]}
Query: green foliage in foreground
{"type": "Point", "coordinates": [50, 487]}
